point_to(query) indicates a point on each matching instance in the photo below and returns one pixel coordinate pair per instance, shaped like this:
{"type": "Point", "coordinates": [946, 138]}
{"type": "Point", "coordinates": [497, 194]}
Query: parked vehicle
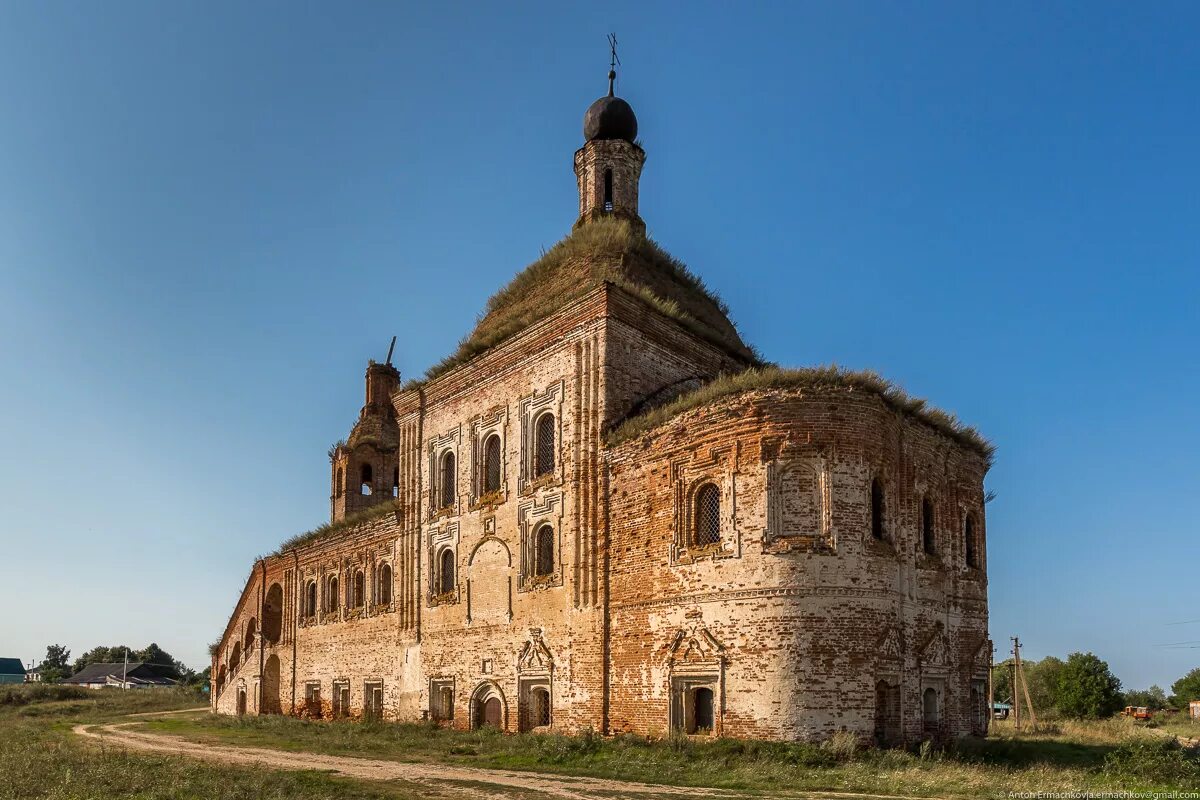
{"type": "Point", "coordinates": [1137, 712]}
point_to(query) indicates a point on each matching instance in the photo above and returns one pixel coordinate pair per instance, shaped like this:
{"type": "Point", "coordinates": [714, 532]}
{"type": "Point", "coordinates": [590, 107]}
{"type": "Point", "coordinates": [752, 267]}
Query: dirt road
{"type": "Point", "coordinates": [444, 778]}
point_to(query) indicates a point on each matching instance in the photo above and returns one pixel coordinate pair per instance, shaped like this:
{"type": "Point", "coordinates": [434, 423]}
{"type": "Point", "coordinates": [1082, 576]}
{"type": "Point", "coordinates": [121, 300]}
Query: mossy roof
{"type": "Point", "coordinates": [604, 250]}
{"type": "Point", "coordinates": [330, 528]}
{"type": "Point", "coordinates": [825, 377]}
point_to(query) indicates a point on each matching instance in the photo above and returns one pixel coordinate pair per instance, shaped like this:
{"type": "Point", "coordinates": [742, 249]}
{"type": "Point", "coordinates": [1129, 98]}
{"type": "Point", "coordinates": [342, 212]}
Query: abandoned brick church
{"type": "Point", "coordinates": [605, 511]}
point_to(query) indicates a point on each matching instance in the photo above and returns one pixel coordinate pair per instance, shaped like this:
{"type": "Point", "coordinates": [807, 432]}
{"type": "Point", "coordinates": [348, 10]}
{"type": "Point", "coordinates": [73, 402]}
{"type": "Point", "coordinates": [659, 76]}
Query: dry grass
{"type": "Point", "coordinates": [816, 379]}
{"type": "Point", "coordinates": [1087, 756]}
{"type": "Point", "coordinates": [606, 250]}
{"type": "Point", "coordinates": [330, 528]}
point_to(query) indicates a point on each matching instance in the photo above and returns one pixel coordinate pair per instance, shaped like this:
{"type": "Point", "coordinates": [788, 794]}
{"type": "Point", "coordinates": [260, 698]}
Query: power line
{"type": "Point", "coordinates": [1184, 622]}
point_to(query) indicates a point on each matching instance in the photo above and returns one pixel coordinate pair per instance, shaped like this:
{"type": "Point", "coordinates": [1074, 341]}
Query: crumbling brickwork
{"type": "Point", "coordinates": [780, 562]}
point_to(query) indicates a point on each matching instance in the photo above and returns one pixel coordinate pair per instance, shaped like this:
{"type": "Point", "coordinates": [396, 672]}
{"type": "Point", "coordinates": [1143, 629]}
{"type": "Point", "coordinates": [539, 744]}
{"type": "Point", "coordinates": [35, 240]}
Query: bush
{"type": "Point", "coordinates": [1158, 760]}
{"type": "Point", "coordinates": [21, 694]}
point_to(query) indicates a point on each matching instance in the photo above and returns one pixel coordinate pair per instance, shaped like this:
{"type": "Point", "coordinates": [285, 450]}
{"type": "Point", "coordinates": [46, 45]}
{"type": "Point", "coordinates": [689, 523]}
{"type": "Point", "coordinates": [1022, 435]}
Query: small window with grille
{"type": "Point", "coordinates": [707, 522]}
{"type": "Point", "coordinates": [491, 464]}
{"type": "Point", "coordinates": [384, 594]}
{"type": "Point", "coordinates": [331, 594]}
{"type": "Point", "coordinates": [543, 446]}
{"type": "Point", "coordinates": [544, 542]}
{"type": "Point", "coordinates": [445, 571]}
{"type": "Point", "coordinates": [446, 489]}
{"type": "Point", "coordinates": [358, 589]}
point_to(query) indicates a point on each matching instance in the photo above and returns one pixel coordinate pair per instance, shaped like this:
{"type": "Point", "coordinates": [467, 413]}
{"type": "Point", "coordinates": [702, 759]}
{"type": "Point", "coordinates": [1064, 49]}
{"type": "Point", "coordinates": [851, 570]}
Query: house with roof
{"type": "Point", "coordinates": [12, 670]}
{"type": "Point", "coordinates": [136, 675]}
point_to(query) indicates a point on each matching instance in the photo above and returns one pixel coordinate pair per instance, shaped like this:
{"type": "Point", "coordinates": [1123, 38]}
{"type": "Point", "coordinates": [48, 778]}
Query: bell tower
{"type": "Point", "coordinates": [365, 467]}
{"type": "Point", "coordinates": [609, 164]}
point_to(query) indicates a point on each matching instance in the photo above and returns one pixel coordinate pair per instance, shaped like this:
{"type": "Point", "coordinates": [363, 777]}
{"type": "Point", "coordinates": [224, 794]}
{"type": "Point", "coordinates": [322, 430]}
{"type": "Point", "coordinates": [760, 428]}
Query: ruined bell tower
{"type": "Point", "coordinates": [609, 165]}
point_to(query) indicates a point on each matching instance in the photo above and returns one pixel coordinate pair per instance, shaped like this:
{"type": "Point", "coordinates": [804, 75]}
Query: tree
{"type": "Point", "coordinates": [1153, 698]}
{"type": "Point", "coordinates": [56, 665]}
{"type": "Point", "coordinates": [1002, 689]}
{"type": "Point", "coordinates": [1043, 682]}
{"type": "Point", "coordinates": [1185, 689]}
{"type": "Point", "coordinates": [1087, 688]}
{"type": "Point", "coordinates": [168, 666]}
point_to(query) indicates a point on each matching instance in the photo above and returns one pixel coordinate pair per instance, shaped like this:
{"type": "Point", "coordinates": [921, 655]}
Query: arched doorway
{"type": "Point", "coordinates": [488, 707]}
{"type": "Point", "coordinates": [270, 687]}
{"type": "Point", "coordinates": [241, 701]}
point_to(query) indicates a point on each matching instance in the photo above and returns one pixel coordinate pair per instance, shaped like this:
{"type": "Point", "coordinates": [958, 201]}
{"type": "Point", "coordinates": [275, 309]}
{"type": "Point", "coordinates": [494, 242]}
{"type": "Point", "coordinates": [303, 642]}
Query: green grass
{"type": "Point", "coordinates": [1066, 759]}
{"type": "Point", "coordinates": [813, 379]}
{"type": "Point", "coordinates": [1176, 725]}
{"type": "Point", "coordinates": [605, 250]}
{"type": "Point", "coordinates": [40, 758]}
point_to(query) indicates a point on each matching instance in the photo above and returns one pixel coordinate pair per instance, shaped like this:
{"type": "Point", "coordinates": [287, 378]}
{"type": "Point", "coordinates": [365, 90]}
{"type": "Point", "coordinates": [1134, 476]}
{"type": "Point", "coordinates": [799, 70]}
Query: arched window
{"type": "Point", "coordinates": [358, 589]}
{"type": "Point", "coordinates": [338, 481]}
{"type": "Point", "coordinates": [491, 464]}
{"type": "Point", "coordinates": [385, 585]}
{"type": "Point", "coordinates": [396, 482]}
{"type": "Point", "coordinates": [608, 190]}
{"type": "Point", "coordinates": [446, 571]}
{"type": "Point", "coordinates": [272, 624]}
{"type": "Point", "coordinates": [331, 594]}
{"type": "Point", "coordinates": [969, 535]}
{"type": "Point", "coordinates": [929, 708]}
{"type": "Point", "coordinates": [543, 446]}
{"type": "Point", "coordinates": [877, 509]}
{"type": "Point", "coordinates": [310, 599]}
{"type": "Point", "coordinates": [235, 656]}
{"type": "Point", "coordinates": [367, 476]}
{"type": "Point", "coordinates": [446, 480]}
{"type": "Point", "coordinates": [544, 542]}
{"type": "Point", "coordinates": [706, 528]}
{"type": "Point", "coordinates": [927, 542]}
{"type": "Point", "coordinates": [251, 632]}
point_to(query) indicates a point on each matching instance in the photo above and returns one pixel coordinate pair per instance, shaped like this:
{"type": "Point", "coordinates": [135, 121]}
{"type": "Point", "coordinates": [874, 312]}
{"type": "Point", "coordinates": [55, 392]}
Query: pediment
{"type": "Point", "coordinates": [693, 645]}
{"type": "Point", "coordinates": [891, 644]}
{"type": "Point", "coordinates": [535, 656]}
{"type": "Point", "coordinates": [936, 650]}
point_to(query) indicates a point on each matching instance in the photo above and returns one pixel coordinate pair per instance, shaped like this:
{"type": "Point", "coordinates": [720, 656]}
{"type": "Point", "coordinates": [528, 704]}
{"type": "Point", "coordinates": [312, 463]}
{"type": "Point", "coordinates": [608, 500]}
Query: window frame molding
{"type": "Point", "coordinates": [440, 538]}
{"type": "Point", "coordinates": [531, 516]}
{"type": "Point", "coordinates": [481, 428]}
{"type": "Point", "coordinates": [530, 410]}
{"type": "Point", "coordinates": [719, 467]}
{"type": "Point", "coordinates": [448, 441]}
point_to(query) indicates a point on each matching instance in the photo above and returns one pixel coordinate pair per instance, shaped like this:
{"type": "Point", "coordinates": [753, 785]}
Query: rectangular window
{"type": "Point", "coordinates": [312, 699]}
{"type": "Point", "coordinates": [441, 699]}
{"type": "Point", "coordinates": [341, 698]}
{"type": "Point", "coordinates": [373, 700]}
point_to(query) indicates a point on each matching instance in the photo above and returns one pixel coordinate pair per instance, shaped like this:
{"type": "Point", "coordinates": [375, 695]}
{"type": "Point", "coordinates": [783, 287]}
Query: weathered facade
{"type": "Point", "coordinates": [535, 537]}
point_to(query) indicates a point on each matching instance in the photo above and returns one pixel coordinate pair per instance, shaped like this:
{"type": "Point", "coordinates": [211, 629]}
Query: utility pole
{"type": "Point", "coordinates": [1024, 685]}
{"type": "Point", "coordinates": [125, 670]}
{"type": "Point", "coordinates": [1012, 682]}
{"type": "Point", "coordinates": [991, 706]}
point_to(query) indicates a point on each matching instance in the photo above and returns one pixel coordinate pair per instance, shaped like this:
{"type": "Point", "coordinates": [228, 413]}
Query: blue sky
{"type": "Point", "coordinates": [213, 214]}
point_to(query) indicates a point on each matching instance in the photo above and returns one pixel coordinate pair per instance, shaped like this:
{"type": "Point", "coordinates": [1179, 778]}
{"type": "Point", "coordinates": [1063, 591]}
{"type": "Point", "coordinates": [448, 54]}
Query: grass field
{"type": "Point", "coordinates": [1110, 755]}
{"type": "Point", "coordinates": [41, 758]}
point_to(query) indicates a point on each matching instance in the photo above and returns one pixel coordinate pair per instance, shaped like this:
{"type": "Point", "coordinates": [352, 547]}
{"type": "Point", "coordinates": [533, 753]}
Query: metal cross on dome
{"type": "Point", "coordinates": [613, 62]}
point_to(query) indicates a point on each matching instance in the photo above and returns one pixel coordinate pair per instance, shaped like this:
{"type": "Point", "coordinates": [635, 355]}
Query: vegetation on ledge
{"type": "Point", "coordinates": [827, 377]}
{"type": "Point", "coordinates": [330, 528]}
{"type": "Point", "coordinates": [605, 250]}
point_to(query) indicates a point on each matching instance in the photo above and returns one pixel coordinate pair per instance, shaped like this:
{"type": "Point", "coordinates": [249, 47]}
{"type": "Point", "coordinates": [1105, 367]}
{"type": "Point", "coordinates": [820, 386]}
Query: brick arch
{"type": "Point", "coordinates": [483, 694]}
{"type": "Point", "coordinates": [487, 540]}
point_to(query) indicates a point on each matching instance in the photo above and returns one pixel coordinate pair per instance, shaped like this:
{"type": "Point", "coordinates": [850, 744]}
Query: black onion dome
{"type": "Point", "coordinates": [610, 118]}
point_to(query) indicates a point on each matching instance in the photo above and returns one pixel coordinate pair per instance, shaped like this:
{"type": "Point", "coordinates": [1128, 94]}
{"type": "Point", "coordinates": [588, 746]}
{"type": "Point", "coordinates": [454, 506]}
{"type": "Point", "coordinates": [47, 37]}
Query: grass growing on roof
{"type": "Point", "coordinates": [831, 376]}
{"type": "Point", "coordinates": [330, 528]}
{"type": "Point", "coordinates": [602, 250]}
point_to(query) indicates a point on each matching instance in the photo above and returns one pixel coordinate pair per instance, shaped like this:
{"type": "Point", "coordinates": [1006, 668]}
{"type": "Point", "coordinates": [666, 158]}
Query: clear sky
{"type": "Point", "coordinates": [212, 214]}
